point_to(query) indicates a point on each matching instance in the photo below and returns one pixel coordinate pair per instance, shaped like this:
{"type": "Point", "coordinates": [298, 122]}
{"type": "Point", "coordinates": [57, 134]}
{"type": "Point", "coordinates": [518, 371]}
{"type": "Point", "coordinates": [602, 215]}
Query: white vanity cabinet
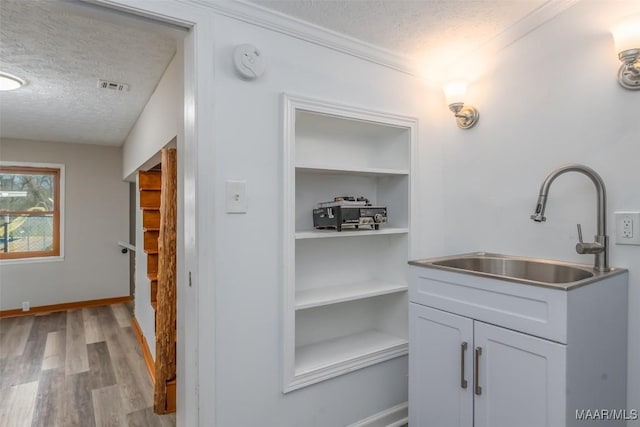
{"type": "Point", "coordinates": [461, 368]}
{"type": "Point", "coordinates": [485, 352]}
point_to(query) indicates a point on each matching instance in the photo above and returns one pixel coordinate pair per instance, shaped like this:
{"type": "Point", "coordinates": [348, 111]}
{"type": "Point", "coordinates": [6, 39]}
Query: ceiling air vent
{"type": "Point", "coordinates": [120, 87]}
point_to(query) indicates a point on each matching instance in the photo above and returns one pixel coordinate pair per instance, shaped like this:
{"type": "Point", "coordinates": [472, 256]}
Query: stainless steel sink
{"type": "Point", "coordinates": [524, 270]}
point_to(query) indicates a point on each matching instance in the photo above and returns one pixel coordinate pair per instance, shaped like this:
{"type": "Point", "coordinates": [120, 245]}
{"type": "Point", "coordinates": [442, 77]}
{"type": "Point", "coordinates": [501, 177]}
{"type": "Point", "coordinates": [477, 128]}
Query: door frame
{"type": "Point", "coordinates": [195, 274]}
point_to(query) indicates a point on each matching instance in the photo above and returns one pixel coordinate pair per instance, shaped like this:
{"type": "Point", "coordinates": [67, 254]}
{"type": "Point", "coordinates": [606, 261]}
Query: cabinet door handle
{"type": "Point", "coordinates": [477, 371]}
{"type": "Point", "coordinates": [463, 350]}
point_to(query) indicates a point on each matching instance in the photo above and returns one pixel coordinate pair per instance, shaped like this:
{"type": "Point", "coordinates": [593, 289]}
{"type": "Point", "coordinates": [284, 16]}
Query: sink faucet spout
{"type": "Point", "coordinates": [538, 216]}
{"type": "Point", "coordinates": [600, 247]}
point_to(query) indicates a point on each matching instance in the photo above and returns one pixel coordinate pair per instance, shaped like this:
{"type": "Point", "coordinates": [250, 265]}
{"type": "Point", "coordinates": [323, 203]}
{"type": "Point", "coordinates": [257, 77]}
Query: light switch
{"type": "Point", "coordinates": [236, 196]}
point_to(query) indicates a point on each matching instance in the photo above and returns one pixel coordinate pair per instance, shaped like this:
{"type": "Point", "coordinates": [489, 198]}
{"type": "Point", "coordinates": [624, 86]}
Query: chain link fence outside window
{"type": "Point", "coordinates": [26, 233]}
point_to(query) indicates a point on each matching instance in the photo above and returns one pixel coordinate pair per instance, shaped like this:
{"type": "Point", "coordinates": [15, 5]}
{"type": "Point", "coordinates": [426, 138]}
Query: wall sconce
{"type": "Point", "coordinates": [627, 40]}
{"type": "Point", "coordinates": [455, 93]}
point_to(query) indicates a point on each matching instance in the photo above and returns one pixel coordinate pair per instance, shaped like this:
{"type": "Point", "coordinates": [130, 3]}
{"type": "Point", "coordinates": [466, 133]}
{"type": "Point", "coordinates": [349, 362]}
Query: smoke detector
{"type": "Point", "coordinates": [106, 84]}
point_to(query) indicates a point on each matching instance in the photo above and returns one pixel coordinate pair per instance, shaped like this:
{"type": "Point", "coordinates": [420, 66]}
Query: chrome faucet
{"type": "Point", "coordinates": [599, 248]}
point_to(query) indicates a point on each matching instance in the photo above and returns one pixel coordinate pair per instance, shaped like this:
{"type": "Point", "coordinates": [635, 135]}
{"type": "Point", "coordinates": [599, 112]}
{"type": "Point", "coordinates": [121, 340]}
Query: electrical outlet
{"type": "Point", "coordinates": [627, 228]}
{"type": "Point", "coordinates": [26, 306]}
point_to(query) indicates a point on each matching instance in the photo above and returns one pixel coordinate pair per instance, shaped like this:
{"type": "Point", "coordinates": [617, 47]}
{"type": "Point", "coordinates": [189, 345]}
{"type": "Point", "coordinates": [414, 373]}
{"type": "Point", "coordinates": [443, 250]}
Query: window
{"type": "Point", "coordinates": [29, 211]}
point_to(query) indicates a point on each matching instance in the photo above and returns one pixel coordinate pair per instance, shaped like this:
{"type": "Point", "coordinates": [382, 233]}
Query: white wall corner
{"type": "Point", "coordinates": [396, 416]}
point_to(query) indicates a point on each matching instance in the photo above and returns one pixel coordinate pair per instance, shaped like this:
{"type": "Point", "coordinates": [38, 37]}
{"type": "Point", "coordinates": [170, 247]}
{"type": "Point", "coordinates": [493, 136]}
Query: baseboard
{"type": "Point", "coordinates": [16, 312]}
{"type": "Point", "coordinates": [144, 346]}
{"type": "Point", "coordinates": [392, 417]}
{"type": "Point", "coordinates": [151, 367]}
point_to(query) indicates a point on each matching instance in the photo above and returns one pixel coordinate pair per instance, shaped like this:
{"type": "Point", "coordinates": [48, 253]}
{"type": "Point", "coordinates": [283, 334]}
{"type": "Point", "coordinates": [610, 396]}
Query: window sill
{"type": "Point", "coordinates": [34, 260]}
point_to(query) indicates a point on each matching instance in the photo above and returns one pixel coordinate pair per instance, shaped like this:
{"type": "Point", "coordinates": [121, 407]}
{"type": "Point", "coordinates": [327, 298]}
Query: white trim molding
{"type": "Point", "coordinates": [270, 19]}
{"type": "Point", "coordinates": [534, 19]}
{"type": "Point", "coordinates": [276, 21]}
{"type": "Point", "coordinates": [396, 416]}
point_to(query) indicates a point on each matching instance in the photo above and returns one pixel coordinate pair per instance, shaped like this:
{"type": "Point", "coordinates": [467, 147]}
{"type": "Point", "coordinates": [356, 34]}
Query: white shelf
{"type": "Point", "coordinates": [316, 297]}
{"type": "Point", "coordinates": [371, 345]}
{"type": "Point", "coordinates": [320, 234]}
{"type": "Point", "coordinates": [326, 169]}
{"type": "Point", "coordinates": [340, 294]}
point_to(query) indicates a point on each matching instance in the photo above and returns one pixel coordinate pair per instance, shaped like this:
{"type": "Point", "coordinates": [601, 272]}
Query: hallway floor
{"type": "Point", "coordinates": [75, 368]}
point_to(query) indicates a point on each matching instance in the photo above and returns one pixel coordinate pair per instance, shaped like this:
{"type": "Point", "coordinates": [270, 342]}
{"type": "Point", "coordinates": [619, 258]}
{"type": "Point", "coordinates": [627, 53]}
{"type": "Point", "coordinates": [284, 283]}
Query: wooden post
{"type": "Point", "coordinates": [166, 297]}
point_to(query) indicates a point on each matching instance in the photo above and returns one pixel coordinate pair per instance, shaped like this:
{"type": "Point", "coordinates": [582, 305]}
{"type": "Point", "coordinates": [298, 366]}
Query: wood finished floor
{"type": "Point", "coordinates": [75, 368]}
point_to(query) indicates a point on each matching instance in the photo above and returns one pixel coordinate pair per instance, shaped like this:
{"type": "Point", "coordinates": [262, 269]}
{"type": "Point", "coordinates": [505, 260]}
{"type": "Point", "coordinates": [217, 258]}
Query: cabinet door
{"type": "Point", "coordinates": [440, 345]}
{"type": "Point", "coordinates": [522, 379]}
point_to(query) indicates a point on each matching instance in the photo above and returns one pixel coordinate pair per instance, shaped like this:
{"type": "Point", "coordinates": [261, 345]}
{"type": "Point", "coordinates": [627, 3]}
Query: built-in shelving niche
{"type": "Point", "coordinates": [345, 293]}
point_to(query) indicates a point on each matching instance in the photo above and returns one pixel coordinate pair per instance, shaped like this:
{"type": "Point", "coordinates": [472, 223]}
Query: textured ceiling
{"type": "Point", "coordinates": [62, 48]}
{"type": "Point", "coordinates": [434, 30]}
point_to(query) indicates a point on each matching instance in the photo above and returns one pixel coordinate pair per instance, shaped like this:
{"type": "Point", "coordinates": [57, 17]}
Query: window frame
{"type": "Point", "coordinates": [58, 213]}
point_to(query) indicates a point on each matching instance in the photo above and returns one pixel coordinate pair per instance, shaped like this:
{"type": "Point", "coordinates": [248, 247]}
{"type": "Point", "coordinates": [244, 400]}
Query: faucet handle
{"type": "Point", "coordinates": [588, 248]}
{"type": "Point", "coordinates": [580, 233]}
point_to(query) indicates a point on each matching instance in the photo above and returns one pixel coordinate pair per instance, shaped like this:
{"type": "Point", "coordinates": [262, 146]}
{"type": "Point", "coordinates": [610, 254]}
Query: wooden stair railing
{"type": "Point", "coordinates": [158, 201]}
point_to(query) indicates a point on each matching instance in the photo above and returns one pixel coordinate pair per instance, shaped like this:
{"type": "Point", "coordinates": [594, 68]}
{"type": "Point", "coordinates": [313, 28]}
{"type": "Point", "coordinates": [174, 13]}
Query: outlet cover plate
{"type": "Point", "coordinates": [627, 228]}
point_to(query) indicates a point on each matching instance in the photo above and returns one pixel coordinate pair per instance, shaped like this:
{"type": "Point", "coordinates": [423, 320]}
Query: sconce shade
{"type": "Point", "coordinates": [626, 35]}
{"type": "Point", "coordinates": [455, 92]}
{"type": "Point", "coordinates": [627, 38]}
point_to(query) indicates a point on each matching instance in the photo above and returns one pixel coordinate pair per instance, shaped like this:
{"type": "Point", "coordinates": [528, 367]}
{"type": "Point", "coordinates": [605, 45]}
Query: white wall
{"type": "Point", "coordinates": [158, 123]}
{"type": "Point", "coordinates": [248, 260]}
{"type": "Point", "coordinates": [549, 99]}
{"type": "Point", "coordinates": [96, 216]}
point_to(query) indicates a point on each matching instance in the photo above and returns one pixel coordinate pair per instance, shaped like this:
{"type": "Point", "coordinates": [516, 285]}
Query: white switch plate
{"type": "Point", "coordinates": [627, 228]}
{"type": "Point", "coordinates": [236, 196]}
